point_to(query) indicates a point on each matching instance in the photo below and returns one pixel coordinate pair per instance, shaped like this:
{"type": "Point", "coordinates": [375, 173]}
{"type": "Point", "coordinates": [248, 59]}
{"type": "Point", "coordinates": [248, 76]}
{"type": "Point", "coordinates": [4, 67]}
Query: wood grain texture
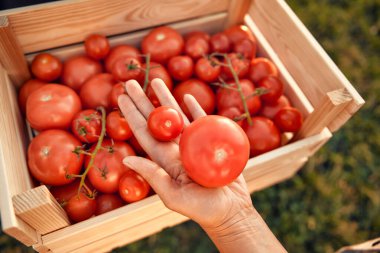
{"type": "Point", "coordinates": [307, 62]}
{"type": "Point", "coordinates": [236, 12]}
{"type": "Point", "coordinates": [14, 177]}
{"type": "Point", "coordinates": [39, 247]}
{"type": "Point", "coordinates": [63, 24]}
{"type": "Point", "coordinates": [11, 54]}
{"type": "Point", "coordinates": [39, 209]}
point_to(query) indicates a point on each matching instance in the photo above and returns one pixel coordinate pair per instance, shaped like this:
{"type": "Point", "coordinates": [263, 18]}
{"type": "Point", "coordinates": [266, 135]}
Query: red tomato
{"type": "Point", "coordinates": [220, 43]}
{"type": "Point", "coordinates": [263, 135]}
{"type": "Point", "coordinates": [78, 69]}
{"type": "Point", "coordinates": [239, 32]}
{"type": "Point", "coordinates": [127, 68]}
{"type": "Point", "coordinates": [52, 106]}
{"type": "Point", "coordinates": [136, 146]}
{"type": "Point", "coordinates": [260, 68]}
{"type": "Point", "coordinates": [107, 202]}
{"type": "Point", "coordinates": [80, 207]}
{"type": "Point", "coordinates": [97, 46]}
{"type": "Point", "coordinates": [270, 110]}
{"type": "Point", "coordinates": [165, 123]}
{"type": "Point", "coordinates": [116, 91]}
{"type": "Point", "coordinates": [133, 187]}
{"type": "Point", "coordinates": [200, 91]}
{"type": "Point", "coordinates": [64, 193]}
{"type": "Point", "coordinates": [207, 69]}
{"type": "Point", "coordinates": [162, 43]}
{"type": "Point", "coordinates": [223, 158]}
{"type": "Point", "coordinates": [121, 51]}
{"type": "Point", "coordinates": [26, 89]}
{"type": "Point", "coordinates": [123, 148]}
{"type": "Point", "coordinates": [200, 34]}
{"type": "Point", "coordinates": [288, 119]}
{"type": "Point", "coordinates": [181, 67]}
{"type": "Point", "coordinates": [232, 113]}
{"type": "Point", "coordinates": [46, 67]}
{"type": "Point", "coordinates": [245, 47]}
{"type": "Point", "coordinates": [226, 98]}
{"type": "Point", "coordinates": [274, 88]}
{"type": "Point", "coordinates": [117, 127]}
{"type": "Point", "coordinates": [197, 45]}
{"type": "Point", "coordinates": [87, 126]}
{"type": "Point", "coordinates": [51, 157]}
{"type": "Point", "coordinates": [239, 64]}
{"type": "Point", "coordinates": [96, 91]}
{"type": "Point", "coordinates": [107, 168]}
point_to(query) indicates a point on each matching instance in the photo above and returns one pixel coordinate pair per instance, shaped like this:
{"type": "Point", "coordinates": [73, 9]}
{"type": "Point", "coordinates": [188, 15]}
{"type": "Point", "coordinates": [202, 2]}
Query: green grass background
{"type": "Point", "coordinates": [335, 199]}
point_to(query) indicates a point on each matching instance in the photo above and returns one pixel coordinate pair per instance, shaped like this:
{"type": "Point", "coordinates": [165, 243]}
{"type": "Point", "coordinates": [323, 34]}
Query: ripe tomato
{"type": "Point", "coordinates": [63, 193]}
{"type": "Point", "coordinates": [220, 43]}
{"type": "Point", "coordinates": [127, 68]}
{"type": "Point", "coordinates": [274, 88]}
{"type": "Point", "coordinates": [121, 51]}
{"type": "Point", "coordinates": [107, 202]}
{"type": "Point", "coordinates": [87, 126]}
{"type": "Point", "coordinates": [200, 34]}
{"type": "Point", "coordinates": [46, 67]}
{"type": "Point", "coordinates": [165, 123]}
{"type": "Point", "coordinates": [197, 45]}
{"type": "Point", "coordinates": [288, 119]}
{"type": "Point", "coordinates": [51, 157]}
{"type": "Point", "coordinates": [116, 91]}
{"type": "Point", "coordinates": [226, 98]}
{"type": "Point", "coordinates": [26, 89]}
{"type": "Point", "coordinates": [232, 113]}
{"type": "Point", "coordinates": [239, 64]}
{"type": "Point", "coordinates": [200, 91]}
{"type": "Point", "coordinates": [263, 135]}
{"type": "Point", "coordinates": [96, 91]}
{"type": "Point", "coordinates": [245, 47]}
{"type": "Point", "coordinates": [162, 43]}
{"type": "Point", "coordinates": [181, 67]}
{"type": "Point", "coordinates": [107, 168]}
{"type": "Point", "coordinates": [80, 207]}
{"type": "Point", "coordinates": [123, 148]}
{"type": "Point", "coordinates": [270, 110]}
{"type": "Point", "coordinates": [223, 158]}
{"type": "Point", "coordinates": [207, 69]}
{"type": "Point", "coordinates": [260, 68]}
{"type": "Point", "coordinates": [239, 32]}
{"type": "Point", "coordinates": [133, 187]}
{"type": "Point", "coordinates": [78, 69]}
{"type": "Point", "coordinates": [97, 46]}
{"type": "Point", "coordinates": [117, 127]}
{"type": "Point", "coordinates": [52, 106]}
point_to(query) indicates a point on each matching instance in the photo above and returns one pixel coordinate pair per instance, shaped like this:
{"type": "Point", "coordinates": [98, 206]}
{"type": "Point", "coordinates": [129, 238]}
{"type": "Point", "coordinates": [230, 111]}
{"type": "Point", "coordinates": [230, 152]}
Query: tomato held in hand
{"type": "Point", "coordinates": [133, 187]}
{"type": "Point", "coordinates": [220, 43]}
{"type": "Point", "coordinates": [263, 135]}
{"type": "Point", "coordinates": [181, 67]}
{"type": "Point", "coordinates": [97, 46]}
{"type": "Point", "coordinates": [107, 202]}
{"type": "Point", "coordinates": [118, 52]}
{"type": "Point", "coordinates": [274, 89]}
{"type": "Point", "coordinates": [46, 67]}
{"type": "Point", "coordinates": [116, 91]}
{"type": "Point", "coordinates": [207, 69]}
{"type": "Point", "coordinates": [80, 207]}
{"type": "Point", "coordinates": [51, 157]}
{"type": "Point", "coordinates": [270, 110]}
{"type": "Point", "coordinates": [223, 158]}
{"type": "Point", "coordinates": [87, 126]}
{"type": "Point", "coordinates": [162, 43]}
{"type": "Point", "coordinates": [117, 127]}
{"type": "Point", "coordinates": [239, 64]}
{"type": "Point", "coordinates": [197, 45]}
{"type": "Point", "coordinates": [127, 68]}
{"type": "Point", "coordinates": [288, 119]}
{"type": "Point", "coordinates": [200, 91]}
{"type": "Point", "coordinates": [260, 68]}
{"type": "Point", "coordinates": [78, 69]}
{"type": "Point", "coordinates": [165, 123]}
{"type": "Point", "coordinates": [52, 106]}
{"type": "Point", "coordinates": [26, 89]}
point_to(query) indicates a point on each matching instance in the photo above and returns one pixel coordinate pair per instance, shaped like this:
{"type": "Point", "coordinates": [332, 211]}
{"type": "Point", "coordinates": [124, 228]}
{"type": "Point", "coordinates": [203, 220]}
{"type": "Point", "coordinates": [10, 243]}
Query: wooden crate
{"type": "Point", "coordinates": [314, 84]}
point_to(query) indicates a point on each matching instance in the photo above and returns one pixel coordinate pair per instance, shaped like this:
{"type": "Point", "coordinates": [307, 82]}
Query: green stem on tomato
{"type": "Point", "coordinates": [147, 70]}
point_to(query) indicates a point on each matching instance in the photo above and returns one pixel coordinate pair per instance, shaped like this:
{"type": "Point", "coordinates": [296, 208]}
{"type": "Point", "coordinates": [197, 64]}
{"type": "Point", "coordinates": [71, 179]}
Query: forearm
{"type": "Point", "coordinates": [245, 232]}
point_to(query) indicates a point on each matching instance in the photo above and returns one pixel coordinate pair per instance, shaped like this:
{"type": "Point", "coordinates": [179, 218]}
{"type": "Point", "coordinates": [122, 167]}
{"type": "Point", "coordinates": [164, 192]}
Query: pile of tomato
{"type": "Point", "coordinates": [62, 104]}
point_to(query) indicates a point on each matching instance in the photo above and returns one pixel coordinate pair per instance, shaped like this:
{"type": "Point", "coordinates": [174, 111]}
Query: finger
{"type": "Point", "coordinates": [139, 98]}
{"type": "Point", "coordinates": [166, 98]}
{"type": "Point", "coordinates": [194, 107]}
{"type": "Point", "coordinates": [157, 178]}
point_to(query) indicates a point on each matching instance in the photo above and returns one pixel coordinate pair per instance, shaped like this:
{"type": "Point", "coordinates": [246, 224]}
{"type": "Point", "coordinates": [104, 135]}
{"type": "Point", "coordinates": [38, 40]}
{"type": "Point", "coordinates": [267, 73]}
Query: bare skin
{"type": "Point", "coordinates": [226, 214]}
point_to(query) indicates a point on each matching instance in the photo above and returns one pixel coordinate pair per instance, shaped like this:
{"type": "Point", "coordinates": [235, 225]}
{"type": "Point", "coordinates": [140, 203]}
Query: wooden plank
{"type": "Point", "coordinates": [210, 24]}
{"type": "Point", "coordinates": [305, 59]}
{"type": "Point", "coordinates": [50, 26]}
{"type": "Point", "coordinates": [11, 54]}
{"type": "Point", "coordinates": [39, 247]}
{"type": "Point", "coordinates": [329, 109]}
{"type": "Point", "coordinates": [236, 12]}
{"type": "Point", "coordinates": [14, 177]}
{"type": "Point", "coordinates": [40, 209]}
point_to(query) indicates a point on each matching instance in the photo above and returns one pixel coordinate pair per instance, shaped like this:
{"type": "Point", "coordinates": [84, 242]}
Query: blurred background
{"type": "Point", "coordinates": [335, 199]}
